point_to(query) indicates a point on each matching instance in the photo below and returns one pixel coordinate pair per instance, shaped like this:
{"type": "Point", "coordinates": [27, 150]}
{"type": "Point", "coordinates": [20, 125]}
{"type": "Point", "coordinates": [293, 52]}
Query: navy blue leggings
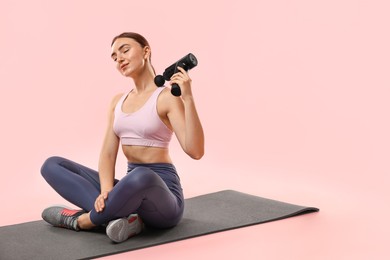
{"type": "Point", "coordinates": [153, 191]}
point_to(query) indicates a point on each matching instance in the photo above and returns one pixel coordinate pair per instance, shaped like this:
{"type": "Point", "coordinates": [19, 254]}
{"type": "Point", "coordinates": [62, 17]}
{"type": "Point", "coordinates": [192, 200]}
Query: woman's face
{"type": "Point", "coordinates": [130, 58]}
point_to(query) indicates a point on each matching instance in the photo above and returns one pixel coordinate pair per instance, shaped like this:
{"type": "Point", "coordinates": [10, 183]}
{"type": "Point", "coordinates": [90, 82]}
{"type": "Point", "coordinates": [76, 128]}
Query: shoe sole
{"type": "Point", "coordinates": [120, 230]}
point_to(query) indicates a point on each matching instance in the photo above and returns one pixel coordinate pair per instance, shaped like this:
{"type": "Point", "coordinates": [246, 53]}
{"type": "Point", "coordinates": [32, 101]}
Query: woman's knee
{"type": "Point", "coordinates": [50, 166]}
{"type": "Point", "coordinates": [141, 176]}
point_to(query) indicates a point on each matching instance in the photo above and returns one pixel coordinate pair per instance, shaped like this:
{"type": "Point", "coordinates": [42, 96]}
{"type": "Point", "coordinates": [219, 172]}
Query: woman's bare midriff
{"type": "Point", "coordinates": [143, 154]}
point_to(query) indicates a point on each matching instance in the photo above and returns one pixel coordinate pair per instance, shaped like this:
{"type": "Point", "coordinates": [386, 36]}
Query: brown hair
{"type": "Point", "coordinates": [138, 38]}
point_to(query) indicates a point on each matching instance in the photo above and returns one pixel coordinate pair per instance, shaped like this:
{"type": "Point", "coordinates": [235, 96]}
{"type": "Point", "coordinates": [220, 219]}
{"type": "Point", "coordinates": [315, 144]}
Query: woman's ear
{"type": "Point", "coordinates": [147, 52]}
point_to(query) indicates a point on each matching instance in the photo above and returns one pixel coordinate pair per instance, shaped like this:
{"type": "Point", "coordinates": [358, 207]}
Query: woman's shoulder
{"type": "Point", "coordinates": [116, 99]}
{"type": "Point", "coordinates": [167, 101]}
{"type": "Point", "coordinates": [167, 96]}
{"type": "Point", "coordinates": [118, 96]}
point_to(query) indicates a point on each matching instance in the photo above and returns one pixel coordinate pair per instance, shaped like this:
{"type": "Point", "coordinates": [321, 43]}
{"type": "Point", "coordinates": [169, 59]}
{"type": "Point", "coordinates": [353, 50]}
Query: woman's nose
{"type": "Point", "coordinates": [119, 59]}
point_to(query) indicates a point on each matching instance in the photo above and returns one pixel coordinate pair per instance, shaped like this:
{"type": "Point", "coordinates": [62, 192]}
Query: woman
{"type": "Point", "coordinates": [143, 121]}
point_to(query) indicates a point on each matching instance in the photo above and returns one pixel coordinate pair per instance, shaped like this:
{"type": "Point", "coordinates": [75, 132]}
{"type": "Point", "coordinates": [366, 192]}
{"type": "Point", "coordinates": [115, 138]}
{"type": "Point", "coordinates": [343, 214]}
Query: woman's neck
{"type": "Point", "coordinates": [144, 81]}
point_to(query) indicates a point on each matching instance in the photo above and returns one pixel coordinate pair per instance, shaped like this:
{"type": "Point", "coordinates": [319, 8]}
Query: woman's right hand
{"type": "Point", "coordinates": [100, 201]}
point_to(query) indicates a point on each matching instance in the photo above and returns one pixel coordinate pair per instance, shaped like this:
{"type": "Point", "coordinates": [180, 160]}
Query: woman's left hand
{"type": "Point", "coordinates": [184, 81]}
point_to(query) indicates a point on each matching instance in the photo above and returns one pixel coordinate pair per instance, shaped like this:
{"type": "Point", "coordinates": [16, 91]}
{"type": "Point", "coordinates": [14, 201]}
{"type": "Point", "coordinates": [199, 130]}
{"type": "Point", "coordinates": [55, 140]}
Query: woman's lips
{"type": "Point", "coordinates": [124, 66]}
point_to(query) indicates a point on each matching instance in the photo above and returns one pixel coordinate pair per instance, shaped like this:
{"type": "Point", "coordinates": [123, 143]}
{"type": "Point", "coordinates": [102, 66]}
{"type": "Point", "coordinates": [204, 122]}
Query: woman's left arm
{"type": "Point", "coordinates": [184, 118]}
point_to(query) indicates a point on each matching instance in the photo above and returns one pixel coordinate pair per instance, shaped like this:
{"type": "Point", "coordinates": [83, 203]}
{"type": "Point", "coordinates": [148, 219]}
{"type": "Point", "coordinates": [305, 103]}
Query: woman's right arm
{"type": "Point", "coordinates": [107, 158]}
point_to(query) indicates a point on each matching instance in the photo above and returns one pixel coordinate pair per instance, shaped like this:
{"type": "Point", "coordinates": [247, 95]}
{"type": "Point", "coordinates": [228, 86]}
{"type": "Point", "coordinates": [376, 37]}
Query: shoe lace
{"type": "Point", "coordinates": [69, 221]}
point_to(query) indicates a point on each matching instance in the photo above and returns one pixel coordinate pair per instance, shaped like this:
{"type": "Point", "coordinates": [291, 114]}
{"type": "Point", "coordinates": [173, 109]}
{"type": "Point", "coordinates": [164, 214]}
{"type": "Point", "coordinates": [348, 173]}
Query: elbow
{"type": "Point", "coordinates": [194, 150]}
{"type": "Point", "coordinates": [196, 155]}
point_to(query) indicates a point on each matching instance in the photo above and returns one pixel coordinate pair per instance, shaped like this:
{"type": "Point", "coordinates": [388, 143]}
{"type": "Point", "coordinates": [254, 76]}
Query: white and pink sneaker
{"type": "Point", "coordinates": [121, 229]}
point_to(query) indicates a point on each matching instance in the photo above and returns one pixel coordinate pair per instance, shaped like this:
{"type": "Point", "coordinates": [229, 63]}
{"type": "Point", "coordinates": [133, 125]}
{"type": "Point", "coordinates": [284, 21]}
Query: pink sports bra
{"type": "Point", "coordinates": [142, 127]}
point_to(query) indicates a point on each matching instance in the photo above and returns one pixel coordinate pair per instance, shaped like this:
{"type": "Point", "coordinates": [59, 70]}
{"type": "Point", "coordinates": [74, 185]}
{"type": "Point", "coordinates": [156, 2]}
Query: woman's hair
{"type": "Point", "coordinates": [135, 36]}
{"type": "Point", "coordinates": [138, 38]}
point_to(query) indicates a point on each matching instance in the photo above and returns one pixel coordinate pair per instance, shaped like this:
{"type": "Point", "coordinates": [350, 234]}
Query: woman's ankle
{"type": "Point", "coordinates": [84, 221]}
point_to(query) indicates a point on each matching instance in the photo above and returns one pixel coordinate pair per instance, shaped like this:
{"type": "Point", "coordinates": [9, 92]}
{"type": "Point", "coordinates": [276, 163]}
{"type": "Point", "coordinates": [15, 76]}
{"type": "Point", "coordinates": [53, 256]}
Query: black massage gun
{"type": "Point", "coordinates": [187, 62]}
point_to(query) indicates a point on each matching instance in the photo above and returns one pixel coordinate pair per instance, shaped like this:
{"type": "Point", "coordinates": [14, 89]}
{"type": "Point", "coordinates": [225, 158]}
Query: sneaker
{"type": "Point", "coordinates": [62, 217]}
{"type": "Point", "coordinates": [121, 229]}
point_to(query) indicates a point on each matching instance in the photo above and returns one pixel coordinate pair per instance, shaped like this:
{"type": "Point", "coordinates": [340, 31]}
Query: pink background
{"type": "Point", "coordinates": [293, 96]}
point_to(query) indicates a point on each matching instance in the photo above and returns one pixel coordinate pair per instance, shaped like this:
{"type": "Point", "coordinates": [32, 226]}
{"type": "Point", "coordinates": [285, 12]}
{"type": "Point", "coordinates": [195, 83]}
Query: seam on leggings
{"type": "Point", "coordinates": [84, 175]}
{"type": "Point", "coordinates": [92, 180]}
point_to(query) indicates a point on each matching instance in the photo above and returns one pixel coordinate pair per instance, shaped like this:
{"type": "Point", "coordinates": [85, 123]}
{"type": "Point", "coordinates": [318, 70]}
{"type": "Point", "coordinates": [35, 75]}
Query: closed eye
{"type": "Point", "coordinates": [119, 49]}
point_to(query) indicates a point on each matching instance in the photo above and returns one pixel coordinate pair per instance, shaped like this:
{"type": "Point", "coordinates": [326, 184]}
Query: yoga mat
{"type": "Point", "coordinates": [203, 215]}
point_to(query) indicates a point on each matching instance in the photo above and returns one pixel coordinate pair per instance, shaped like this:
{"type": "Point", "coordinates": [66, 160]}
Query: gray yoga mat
{"type": "Point", "coordinates": [203, 215]}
